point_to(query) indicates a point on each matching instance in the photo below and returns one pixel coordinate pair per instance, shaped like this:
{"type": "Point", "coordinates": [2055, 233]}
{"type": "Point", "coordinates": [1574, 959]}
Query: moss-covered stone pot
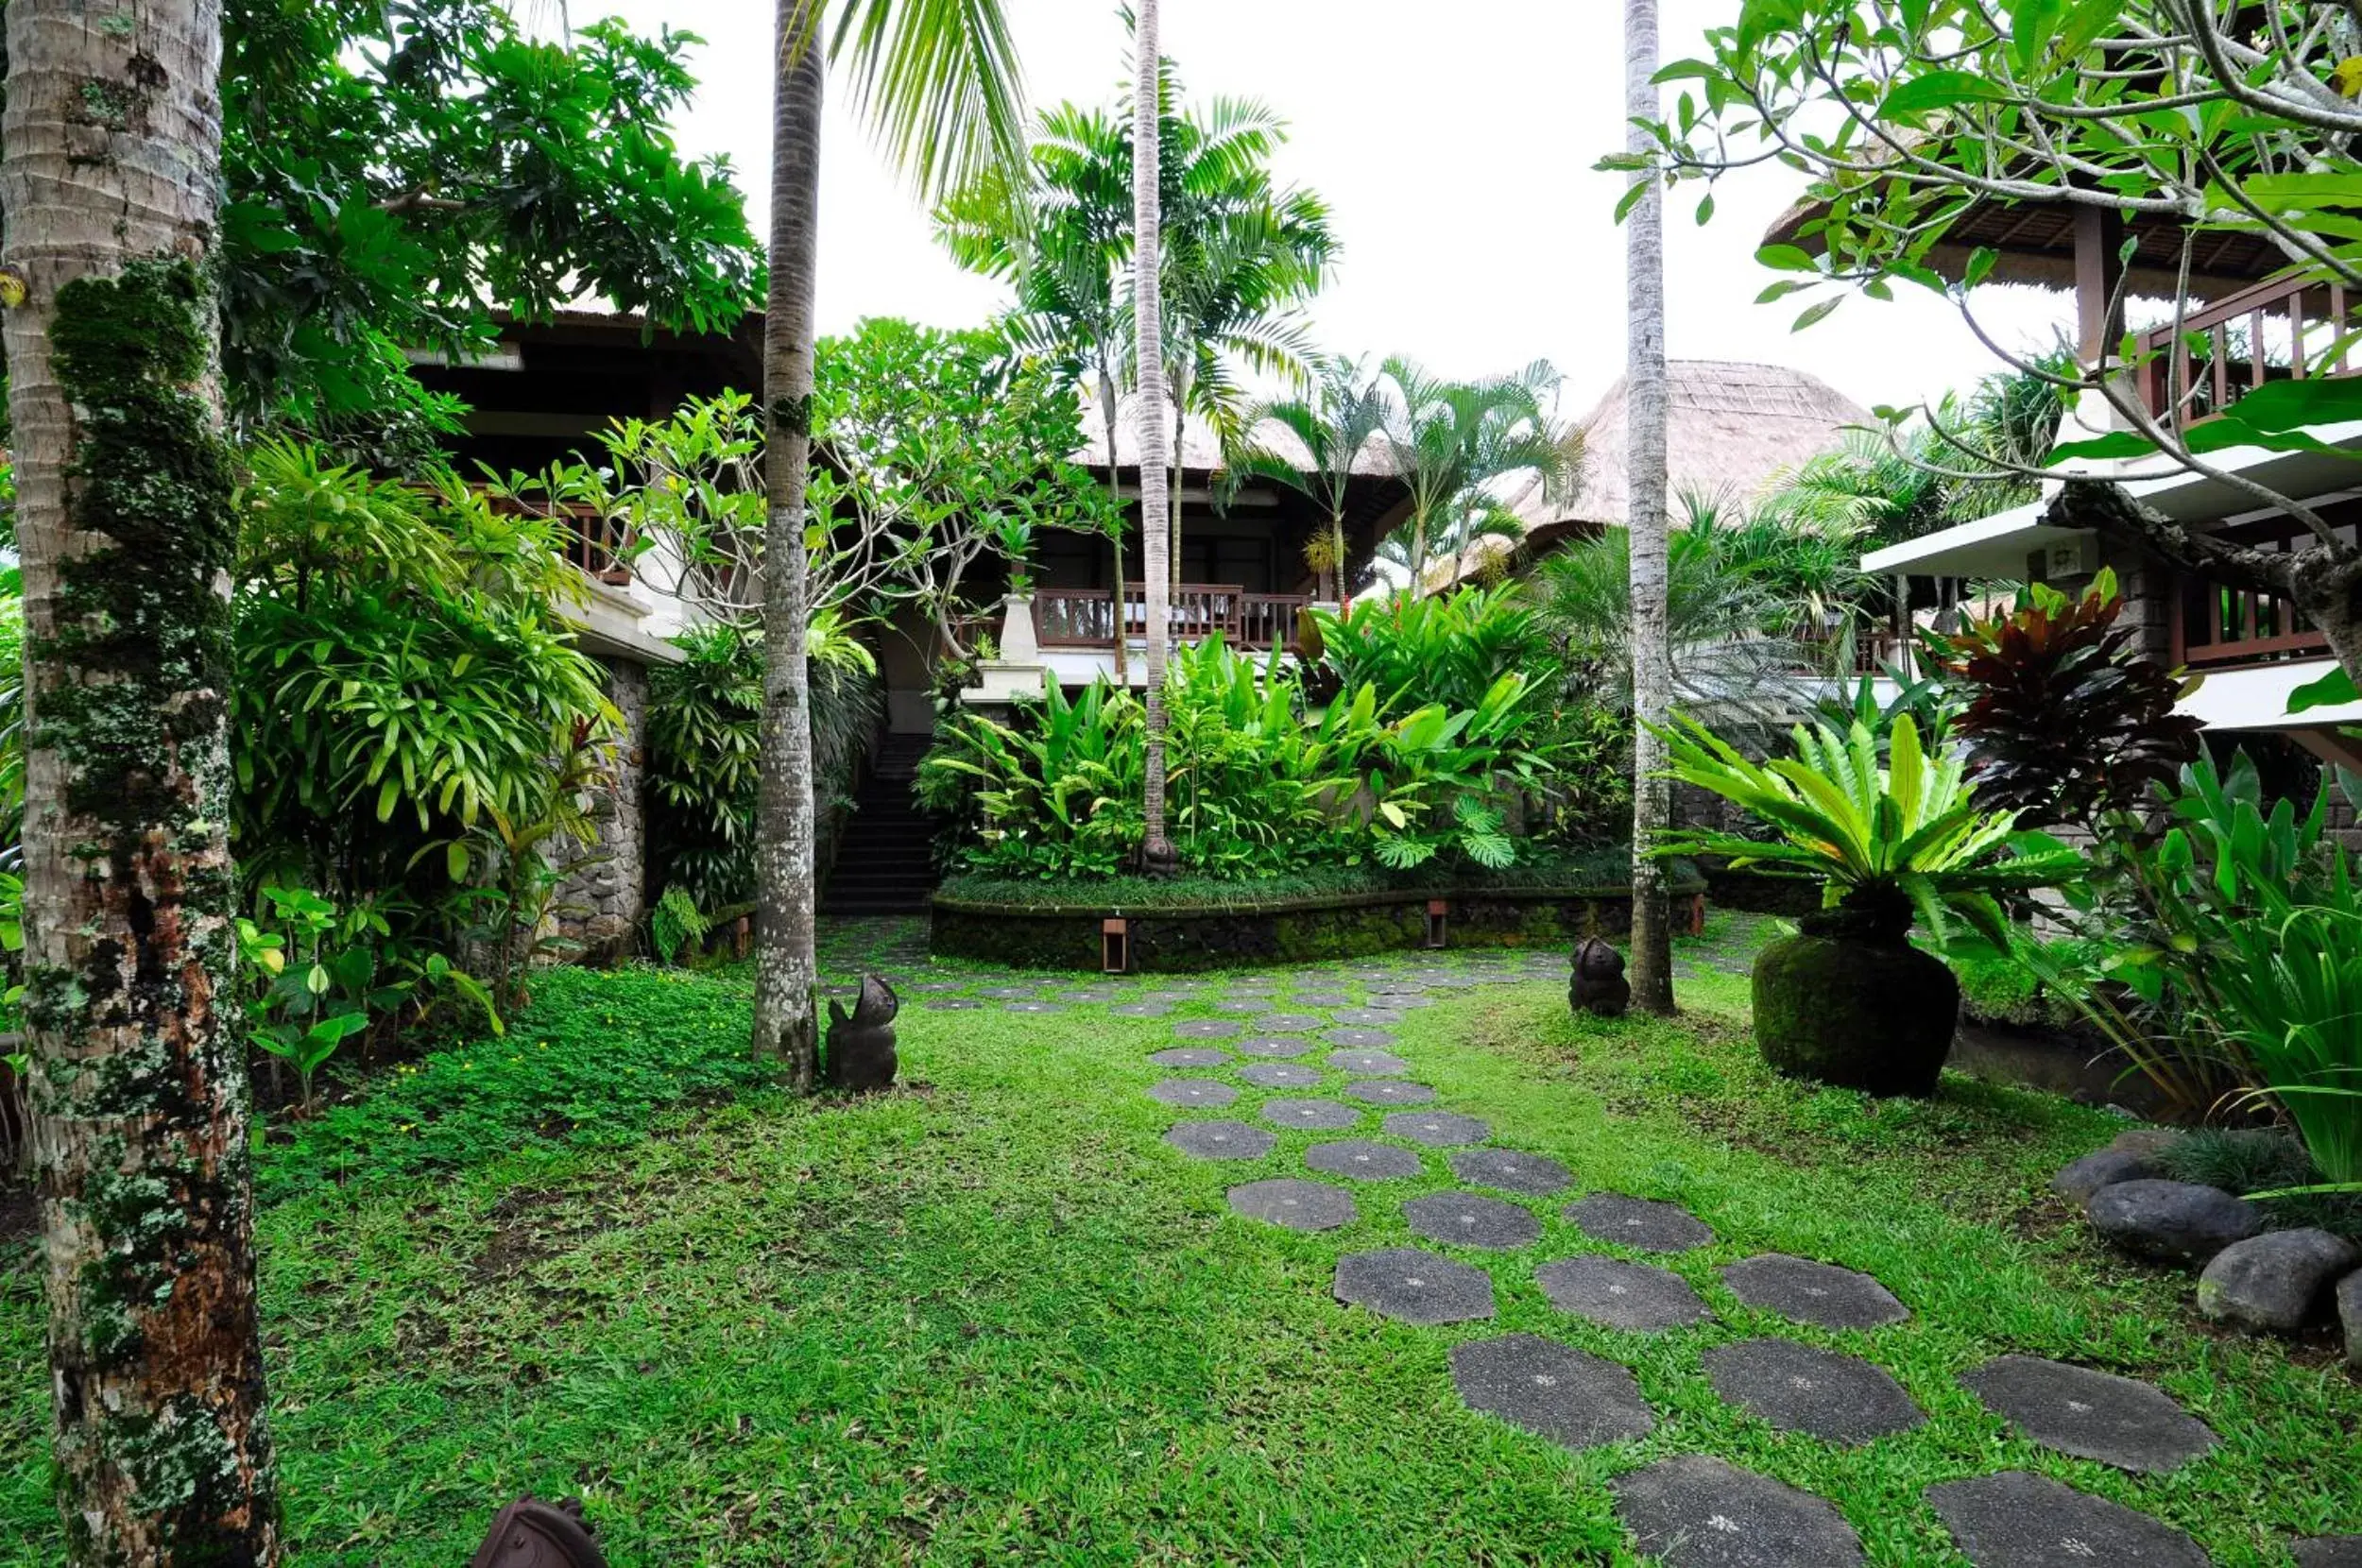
{"type": "Point", "coordinates": [1850, 1002]}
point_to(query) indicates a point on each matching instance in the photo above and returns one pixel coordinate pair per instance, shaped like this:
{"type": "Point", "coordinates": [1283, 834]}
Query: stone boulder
{"type": "Point", "coordinates": [2171, 1221]}
{"type": "Point", "coordinates": [2274, 1281]}
{"type": "Point", "coordinates": [2349, 1316]}
{"type": "Point", "coordinates": [2103, 1168]}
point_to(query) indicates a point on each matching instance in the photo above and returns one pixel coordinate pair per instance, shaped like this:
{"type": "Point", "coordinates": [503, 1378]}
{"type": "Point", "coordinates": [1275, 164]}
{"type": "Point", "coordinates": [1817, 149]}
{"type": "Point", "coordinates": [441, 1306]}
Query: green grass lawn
{"type": "Point", "coordinates": [993, 1318]}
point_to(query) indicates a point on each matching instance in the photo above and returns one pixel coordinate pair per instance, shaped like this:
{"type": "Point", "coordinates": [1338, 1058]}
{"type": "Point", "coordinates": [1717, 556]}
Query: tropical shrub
{"type": "Point", "coordinates": [705, 752]}
{"type": "Point", "coordinates": [2064, 722]}
{"type": "Point", "coordinates": [1256, 783]}
{"type": "Point", "coordinates": [1887, 843]}
{"type": "Point", "coordinates": [1447, 650]}
{"type": "Point", "coordinates": [400, 670]}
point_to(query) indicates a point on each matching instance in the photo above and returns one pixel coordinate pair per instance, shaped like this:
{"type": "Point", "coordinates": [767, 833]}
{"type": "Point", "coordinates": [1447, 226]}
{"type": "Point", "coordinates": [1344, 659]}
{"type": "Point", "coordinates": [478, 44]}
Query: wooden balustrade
{"type": "Point", "coordinates": [1085, 617]}
{"type": "Point", "coordinates": [2276, 331]}
{"type": "Point", "coordinates": [1873, 648]}
{"type": "Point", "coordinates": [2213, 626]}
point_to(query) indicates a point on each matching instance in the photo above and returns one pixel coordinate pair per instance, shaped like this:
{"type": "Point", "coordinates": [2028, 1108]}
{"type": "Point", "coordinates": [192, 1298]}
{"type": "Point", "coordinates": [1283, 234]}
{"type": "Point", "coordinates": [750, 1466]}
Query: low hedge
{"type": "Point", "coordinates": [1199, 923]}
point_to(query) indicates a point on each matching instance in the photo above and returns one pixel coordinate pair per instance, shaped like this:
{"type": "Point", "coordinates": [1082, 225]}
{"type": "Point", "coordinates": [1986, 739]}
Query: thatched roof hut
{"type": "Point", "coordinates": [1733, 428]}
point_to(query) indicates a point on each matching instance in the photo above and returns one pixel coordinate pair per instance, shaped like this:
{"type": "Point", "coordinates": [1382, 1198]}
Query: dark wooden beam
{"type": "Point", "coordinates": [2098, 270]}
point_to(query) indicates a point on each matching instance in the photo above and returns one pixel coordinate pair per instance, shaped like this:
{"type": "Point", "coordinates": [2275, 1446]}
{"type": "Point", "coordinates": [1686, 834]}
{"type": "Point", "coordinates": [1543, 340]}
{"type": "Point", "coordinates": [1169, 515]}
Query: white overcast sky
{"type": "Point", "coordinates": [1455, 148]}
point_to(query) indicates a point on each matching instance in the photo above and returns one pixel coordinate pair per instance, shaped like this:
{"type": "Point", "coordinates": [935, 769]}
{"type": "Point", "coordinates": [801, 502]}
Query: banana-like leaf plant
{"type": "Point", "coordinates": [1886, 843]}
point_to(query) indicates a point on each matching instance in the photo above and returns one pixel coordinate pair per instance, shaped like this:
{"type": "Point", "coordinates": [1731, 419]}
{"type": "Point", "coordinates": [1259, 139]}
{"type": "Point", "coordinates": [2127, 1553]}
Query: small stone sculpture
{"type": "Point", "coordinates": [861, 1047]}
{"type": "Point", "coordinates": [530, 1533]}
{"type": "Point", "coordinates": [1599, 983]}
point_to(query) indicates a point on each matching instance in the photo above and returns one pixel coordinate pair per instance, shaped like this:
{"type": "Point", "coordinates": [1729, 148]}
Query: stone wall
{"type": "Point", "coordinates": [605, 895]}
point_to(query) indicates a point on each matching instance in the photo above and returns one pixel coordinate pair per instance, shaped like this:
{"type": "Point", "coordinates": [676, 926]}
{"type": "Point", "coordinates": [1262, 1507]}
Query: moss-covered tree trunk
{"type": "Point", "coordinates": [787, 1007]}
{"type": "Point", "coordinates": [1646, 413]}
{"type": "Point", "coordinates": [138, 1087]}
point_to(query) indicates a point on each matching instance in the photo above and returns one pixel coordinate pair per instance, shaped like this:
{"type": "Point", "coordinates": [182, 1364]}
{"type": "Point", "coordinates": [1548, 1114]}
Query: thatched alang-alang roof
{"type": "Point", "coordinates": [1201, 448]}
{"type": "Point", "coordinates": [1732, 428]}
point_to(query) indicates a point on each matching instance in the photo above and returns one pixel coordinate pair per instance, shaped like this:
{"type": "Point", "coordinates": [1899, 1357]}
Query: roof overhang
{"type": "Point", "coordinates": [2001, 545]}
{"type": "Point", "coordinates": [2034, 243]}
{"type": "Point", "coordinates": [2256, 698]}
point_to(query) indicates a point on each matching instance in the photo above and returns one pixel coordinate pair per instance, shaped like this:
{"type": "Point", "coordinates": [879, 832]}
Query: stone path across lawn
{"type": "Point", "coordinates": [1334, 1033]}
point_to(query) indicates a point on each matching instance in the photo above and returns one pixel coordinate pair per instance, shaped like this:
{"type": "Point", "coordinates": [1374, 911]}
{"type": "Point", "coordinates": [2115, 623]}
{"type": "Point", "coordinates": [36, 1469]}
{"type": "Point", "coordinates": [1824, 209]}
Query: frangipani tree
{"type": "Point", "coordinates": [2207, 123]}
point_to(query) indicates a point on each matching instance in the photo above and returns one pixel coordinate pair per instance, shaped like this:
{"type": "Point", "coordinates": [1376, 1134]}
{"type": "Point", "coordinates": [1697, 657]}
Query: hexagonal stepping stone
{"type": "Point", "coordinates": [1383, 1091]}
{"type": "Point", "coordinates": [1414, 1286]}
{"type": "Point", "coordinates": [1438, 1129]}
{"type": "Point", "coordinates": [1400, 1000]}
{"type": "Point", "coordinates": [922, 987]}
{"type": "Point", "coordinates": [1279, 1075]}
{"type": "Point", "coordinates": [1367, 1061]}
{"type": "Point", "coordinates": [1359, 1036]}
{"type": "Point", "coordinates": [1818, 1293]}
{"type": "Point", "coordinates": [1296, 1204]}
{"type": "Point", "coordinates": [1141, 1010]}
{"type": "Point", "coordinates": [1289, 1023]}
{"type": "Point", "coordinates": [2329, 1551]}
{"type": "Point", "coordinates": [1322, 999]}
{"type": "Point", "coordinates": [1207, 1029]}
{"type": "Point", "coordinates": [1271, 1045]}
{"type": "Point", "coordinates": [1464, 1220]}
{"type": "Point", "coordinates": [1550, 1389]}
{"type": "Point", "coordinates": [1095, 994]}
{"type": "Point", "coordinates": [2018, 1520]}
{"type": "Point", "coordinates": [950, 1004]}
{"type": "Point", "coordinates": [1221, 1140]}
{"type": "Point", "coordinates": [2092, 1415]}
{"type": "Point", "coordinates": [1642, 1223]}
{"type": "Point", "coordinates": [1801, 1389]}
{"type": "Point", "coordinates": [1511, 1171]}
{"type": "Point", "coordinates": [1207, 1093]}
{"type": "Point", "coordinates": [1030, 1005]}
{"type": "Point", "coordinates": [1368, 1017]}
{"type": "Point", "coordinates": [1322, 1115]}
{"type": "Point", "coordinates": [1190, 1056]}
{"type": "Point", "coordinates": [1698, 1512]}
{"type": "Point", "coordinates": [1362, 1160]}
{"type": "Point", "coordinates": [1241, 1004]}
{"type": "Point", "coordinates": [1638, 1297]}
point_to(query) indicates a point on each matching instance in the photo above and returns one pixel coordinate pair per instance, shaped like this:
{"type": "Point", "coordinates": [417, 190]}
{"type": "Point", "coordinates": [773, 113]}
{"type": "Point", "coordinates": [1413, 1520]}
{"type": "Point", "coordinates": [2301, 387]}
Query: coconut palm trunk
{"type": "Point", "coordinates": [1651, 663]}
{"type": "Point", "coordinates": [1156, 854]}
{"type": "Point", "coordinates": [787, 1008]}
{"type": "Point", "coordinates": [1115, 489]}
{"type": "Point", "coordinates": [138, 1085]}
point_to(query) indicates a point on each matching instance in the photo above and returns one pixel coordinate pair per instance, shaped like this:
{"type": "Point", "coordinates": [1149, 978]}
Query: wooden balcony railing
{"type": "Point", "coordinates": [2273, 332]}
{"type": "Point", "coordinates": [2213, 626]}
{"type": "Point", "coordinates": [1873, 648]}
{"type": "Point", "coordinates": [1085, 617]}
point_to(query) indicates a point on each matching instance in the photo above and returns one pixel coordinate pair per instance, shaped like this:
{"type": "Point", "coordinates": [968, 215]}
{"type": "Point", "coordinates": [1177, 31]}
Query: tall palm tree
{"type": "Point", "coordinates": [1062, 239]}
{"type": "Point", "coordinates": [938, 80]}
{"type": "Point", "coordinates": [1240, 257]}
{"type": "Point", "coordinates": [1452, 442]}
{"type": "Point", "coordinates": [1648, 402]}
{"type": "Point", "coordinates": [111, 145]}
{"type": "Point", "coordinates": [1148, 357]}
{"type": "Point", "coordinates": [1333, 425]}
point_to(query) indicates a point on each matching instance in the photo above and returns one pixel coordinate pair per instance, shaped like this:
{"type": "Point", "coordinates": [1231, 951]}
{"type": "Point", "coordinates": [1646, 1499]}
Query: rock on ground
{"type": "Point", "coordinates": [2171, 1221]}
{"type": "Point", "coordinates": [2273, 1281]}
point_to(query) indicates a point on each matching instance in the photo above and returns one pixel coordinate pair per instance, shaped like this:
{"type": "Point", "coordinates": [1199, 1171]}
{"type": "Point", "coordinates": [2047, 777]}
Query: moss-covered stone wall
{"type": "Point", "coordinates": [1177, 940]}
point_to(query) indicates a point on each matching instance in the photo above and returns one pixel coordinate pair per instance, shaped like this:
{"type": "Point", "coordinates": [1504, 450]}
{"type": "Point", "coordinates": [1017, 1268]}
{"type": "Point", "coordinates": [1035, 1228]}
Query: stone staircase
{"type": "Point", "coordinates": [883, 866]}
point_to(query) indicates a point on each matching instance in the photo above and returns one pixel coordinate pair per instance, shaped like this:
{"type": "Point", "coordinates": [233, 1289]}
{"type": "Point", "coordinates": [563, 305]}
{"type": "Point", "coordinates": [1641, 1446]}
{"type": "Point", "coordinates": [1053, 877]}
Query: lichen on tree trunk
{"type": "Point", "coordinates": [124, 523]}
{"type": "Point", "coordinates": [787, 1009]}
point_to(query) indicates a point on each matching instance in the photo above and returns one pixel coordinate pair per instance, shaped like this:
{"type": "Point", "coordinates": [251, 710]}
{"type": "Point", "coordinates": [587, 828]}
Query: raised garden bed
{"type": "Point", "coordinates": [1061, 927]}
